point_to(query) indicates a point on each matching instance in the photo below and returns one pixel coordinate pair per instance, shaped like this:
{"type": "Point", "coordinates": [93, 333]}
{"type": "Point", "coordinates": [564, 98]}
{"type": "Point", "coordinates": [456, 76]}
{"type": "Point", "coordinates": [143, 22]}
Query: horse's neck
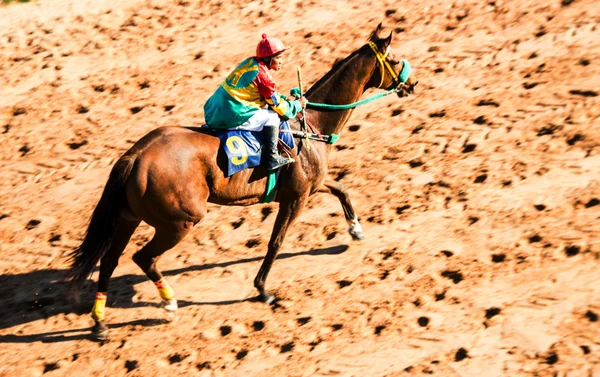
{"type": "Point", "coordinates": [345, 85]}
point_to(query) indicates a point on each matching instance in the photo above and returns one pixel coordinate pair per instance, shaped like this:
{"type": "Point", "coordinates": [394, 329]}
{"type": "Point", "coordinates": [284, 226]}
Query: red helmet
{"type": "Point", "coordinates": [269, 47]}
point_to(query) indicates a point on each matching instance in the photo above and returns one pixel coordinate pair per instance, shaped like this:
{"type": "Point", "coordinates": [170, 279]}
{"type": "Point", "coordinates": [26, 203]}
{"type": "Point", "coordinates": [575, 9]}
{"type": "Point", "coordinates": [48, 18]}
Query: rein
{"type": "Point", "coordinates": [399, 81]}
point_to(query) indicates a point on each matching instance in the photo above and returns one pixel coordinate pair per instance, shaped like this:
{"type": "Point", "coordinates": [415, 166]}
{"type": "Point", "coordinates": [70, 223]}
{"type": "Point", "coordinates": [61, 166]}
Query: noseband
{"type": "Point", "coordinates": [384, 64]}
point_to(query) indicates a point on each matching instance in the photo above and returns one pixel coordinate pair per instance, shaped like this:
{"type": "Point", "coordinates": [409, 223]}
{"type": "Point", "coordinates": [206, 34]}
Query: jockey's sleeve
{"type": "Point", "coordinates": [283, 107]}
{"type": "Point", "coordinates": [279, 104]}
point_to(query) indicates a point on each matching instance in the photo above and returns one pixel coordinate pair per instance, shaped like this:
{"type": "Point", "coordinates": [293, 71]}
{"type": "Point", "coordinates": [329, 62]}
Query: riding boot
{"type": "Point", "coordinates": [274, 160]}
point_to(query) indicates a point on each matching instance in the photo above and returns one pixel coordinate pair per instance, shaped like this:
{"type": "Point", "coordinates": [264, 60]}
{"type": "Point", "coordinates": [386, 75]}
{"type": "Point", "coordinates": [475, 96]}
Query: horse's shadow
{"type": "Point", "coordinates": [43, 294]}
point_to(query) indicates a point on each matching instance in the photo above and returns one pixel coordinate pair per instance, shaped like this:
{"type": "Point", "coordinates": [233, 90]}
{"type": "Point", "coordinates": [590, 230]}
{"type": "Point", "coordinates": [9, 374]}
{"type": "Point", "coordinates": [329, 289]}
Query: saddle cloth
{"type": "Point", "coordinates": [244, 149]}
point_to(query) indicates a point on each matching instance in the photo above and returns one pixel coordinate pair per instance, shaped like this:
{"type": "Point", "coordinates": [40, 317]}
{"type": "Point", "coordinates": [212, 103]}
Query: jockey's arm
{"type": "Point", "coordinates": [283, 107]}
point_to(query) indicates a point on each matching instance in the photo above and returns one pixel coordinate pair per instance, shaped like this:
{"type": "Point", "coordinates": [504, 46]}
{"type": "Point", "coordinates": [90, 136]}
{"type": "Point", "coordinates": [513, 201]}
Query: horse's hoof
{"type": "Point", "coordinates": [169, 305]}
{"type": "Point", "coordinates": [356, 236]}
{"type": "Point", "coordinates": [100, 331]}
{"type": "Point", "coordinates": [267, 298]}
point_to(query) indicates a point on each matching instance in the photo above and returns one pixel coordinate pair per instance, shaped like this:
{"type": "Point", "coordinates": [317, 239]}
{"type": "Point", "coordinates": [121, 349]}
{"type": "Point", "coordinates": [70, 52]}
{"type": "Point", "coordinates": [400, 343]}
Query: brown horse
{"type": "Point", "coordinates": [170, 174]}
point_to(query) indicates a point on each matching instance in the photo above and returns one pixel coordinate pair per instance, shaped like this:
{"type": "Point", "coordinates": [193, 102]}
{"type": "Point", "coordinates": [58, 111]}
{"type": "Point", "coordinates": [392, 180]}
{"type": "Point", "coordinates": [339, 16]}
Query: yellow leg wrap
{"type": "Point", "coordinates": [99, 305]}
{"type": "Point", "coordinates": [165, 290]}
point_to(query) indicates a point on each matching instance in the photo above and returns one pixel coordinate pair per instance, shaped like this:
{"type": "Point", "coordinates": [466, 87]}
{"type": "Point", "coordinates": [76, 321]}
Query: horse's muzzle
{"type": "Point", "coordinates": [407, 88]}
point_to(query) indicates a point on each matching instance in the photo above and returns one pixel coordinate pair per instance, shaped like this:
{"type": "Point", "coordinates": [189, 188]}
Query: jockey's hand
{"type": "Point", "coordinates": [303, 102]}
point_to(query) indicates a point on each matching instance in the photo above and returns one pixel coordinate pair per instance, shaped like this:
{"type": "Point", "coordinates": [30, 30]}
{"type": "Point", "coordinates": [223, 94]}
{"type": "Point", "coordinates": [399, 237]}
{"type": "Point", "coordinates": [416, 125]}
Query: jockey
{"type": "Point", "coordinates": [247, 99]}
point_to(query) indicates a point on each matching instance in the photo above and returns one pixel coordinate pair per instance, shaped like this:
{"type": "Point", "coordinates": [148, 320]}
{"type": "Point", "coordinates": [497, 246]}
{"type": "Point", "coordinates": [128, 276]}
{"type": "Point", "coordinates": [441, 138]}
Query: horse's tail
{"type": "Point", "coordinates": [103, 224]}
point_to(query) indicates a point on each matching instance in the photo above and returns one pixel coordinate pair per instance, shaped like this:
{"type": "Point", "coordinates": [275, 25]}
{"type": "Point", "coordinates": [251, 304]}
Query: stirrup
{"type": "Point", "coordinates": [275, 162]}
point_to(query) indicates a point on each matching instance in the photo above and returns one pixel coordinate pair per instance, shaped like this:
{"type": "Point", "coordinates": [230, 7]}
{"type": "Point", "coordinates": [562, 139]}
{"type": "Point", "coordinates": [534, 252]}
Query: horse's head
{"type": "Point", "coordinates": [392, 72]}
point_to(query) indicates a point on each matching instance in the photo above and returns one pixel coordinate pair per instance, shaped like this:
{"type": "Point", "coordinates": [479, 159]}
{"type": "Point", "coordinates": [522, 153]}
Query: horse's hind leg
{"type": "Point", "coordinates": [108, 263]}
{"type": "Point", "coordinates": [163, 240]}
{"type": "Point", "coordinates": [338, 189]}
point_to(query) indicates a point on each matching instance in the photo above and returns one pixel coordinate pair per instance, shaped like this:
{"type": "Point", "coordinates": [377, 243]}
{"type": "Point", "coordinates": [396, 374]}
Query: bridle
{"type": "Point", "coordinates": [399, 80]}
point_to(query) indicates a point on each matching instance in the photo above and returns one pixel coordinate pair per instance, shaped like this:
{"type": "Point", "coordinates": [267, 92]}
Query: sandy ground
{"type": "Point", "coordinates": [479, 194]}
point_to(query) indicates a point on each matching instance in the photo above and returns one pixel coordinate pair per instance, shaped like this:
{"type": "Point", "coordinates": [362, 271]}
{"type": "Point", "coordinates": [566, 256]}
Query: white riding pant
{"type": "Point", "coordinates": [262, 118]}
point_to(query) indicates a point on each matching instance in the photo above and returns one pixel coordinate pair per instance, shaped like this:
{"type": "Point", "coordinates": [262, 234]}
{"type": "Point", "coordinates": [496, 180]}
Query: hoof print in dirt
{"type": "Point", "coordinates": [131, 365]}
{"type": "Point", "coordinates": [225, 330]}
{"type": "Point", "coordinates": [492, 312]}
{"type": "Point", "coordinates": [551, 358]}
{"type": "Point", "coordinates": [32, 224]}
{"type": "Point", "coordinates": [241, 354]}
{"type": "Point", "coordinates": [468, 148]}
{"type": "Point", "coordinates": [454, 275]}
{"type": "Point", "coordinates": [251, 243]}
{"type": "Point", "coordinates": [77, 145]}
{"type": "Point", "coordinates": [136, 109]}
{"type": "Point", "coordinates": [176, 358]}
{"type": "Point", "coordinates": [572, 250]}
{"type": "Point", "coordinates": [480, 178]}
{"type": "Point", "coordinates": [484, 102]}
{"type": "Point", "coordinates": [584, 93]}
{"type": "Point", "coordinates": [591, 316]}
{"type": "Point", "coordinates": [287, 347]}
{"type": "Point", "coordinates": [24, 150]}
{"type": "Point", "coordinates": [461, 354]}
{"type": "Point", "coordinates": [19, 111]}
{"type": "Point", "coordinates": [49, 367]}
{"type": "Point", "coordinates": [498, 258]}
{"type": "Point", "coordinates": [480, 120]}
{"type": "Point", "coordinates": [575, 138]}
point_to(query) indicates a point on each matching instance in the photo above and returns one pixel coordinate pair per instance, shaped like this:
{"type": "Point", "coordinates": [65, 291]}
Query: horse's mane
{"type": "Point", "coordinates": [337, 65]}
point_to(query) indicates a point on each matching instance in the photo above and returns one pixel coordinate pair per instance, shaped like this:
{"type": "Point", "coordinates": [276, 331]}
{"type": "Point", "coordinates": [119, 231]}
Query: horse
{"type": "Point", "coordinates": [168, 176]}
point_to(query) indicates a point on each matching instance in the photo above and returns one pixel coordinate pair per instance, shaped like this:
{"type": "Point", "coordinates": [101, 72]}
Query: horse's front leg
{"type": "Point", "coordinates": [338, 189]}
{"type": "Point", "coordinates": [288, 213]}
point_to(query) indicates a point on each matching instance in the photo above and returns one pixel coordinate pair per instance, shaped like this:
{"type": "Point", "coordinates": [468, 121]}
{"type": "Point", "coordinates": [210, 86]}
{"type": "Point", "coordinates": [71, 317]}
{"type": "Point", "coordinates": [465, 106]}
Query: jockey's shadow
{"type": "Point", "coordinates": [44, 294]}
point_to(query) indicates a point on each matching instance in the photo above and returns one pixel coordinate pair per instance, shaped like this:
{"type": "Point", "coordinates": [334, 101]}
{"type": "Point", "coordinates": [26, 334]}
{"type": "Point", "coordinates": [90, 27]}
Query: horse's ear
{"type": "Point", "coordinates": [388, 40]}
{"type": "Point", "coordinates": [375, 34]}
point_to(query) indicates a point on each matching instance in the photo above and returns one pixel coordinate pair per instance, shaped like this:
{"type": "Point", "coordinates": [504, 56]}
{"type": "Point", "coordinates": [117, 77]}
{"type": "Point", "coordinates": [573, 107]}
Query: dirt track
{"type": "Point", "coordinates": [479, 194]}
